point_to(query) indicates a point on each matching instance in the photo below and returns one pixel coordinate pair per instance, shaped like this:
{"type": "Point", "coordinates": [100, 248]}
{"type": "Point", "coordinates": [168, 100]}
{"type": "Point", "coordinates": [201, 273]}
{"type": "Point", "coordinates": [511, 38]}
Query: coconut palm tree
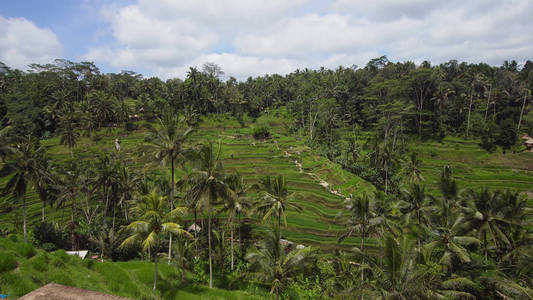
{"type": "Point", "coordinates": [411, 169]}
{"type": "Point", "coordinates": [25, 166]}
{"type": "Point", "coordinates": [68, 131]}
{"type": "Point", "coordinates": [449, 240]}
{"type": "Point", "coordinates": [274, 266]}
{"type": "Point", "coordinates": [236, 204]}
{"type": "Point", "coordinates": [275, 199]}
{"type": "Point", "coordinates": [152, 224]}
{"type": "Point", "coordinates": [417, 206]}
{"type": "Point", "coordinates": [165, 144]}
{"type": "Point", "coordinates": [484, 213]}
{"type": "Point", "coordinates": [207, 187]}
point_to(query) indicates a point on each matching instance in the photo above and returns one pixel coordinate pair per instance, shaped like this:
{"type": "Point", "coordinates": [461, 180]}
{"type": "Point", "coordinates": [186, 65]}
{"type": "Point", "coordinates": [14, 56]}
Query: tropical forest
{"type": "Point", "coordinates": [393, 180]}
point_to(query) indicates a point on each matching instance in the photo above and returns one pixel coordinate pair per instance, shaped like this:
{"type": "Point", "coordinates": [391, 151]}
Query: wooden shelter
{"type": "Point", "coordinates": [528, 141]}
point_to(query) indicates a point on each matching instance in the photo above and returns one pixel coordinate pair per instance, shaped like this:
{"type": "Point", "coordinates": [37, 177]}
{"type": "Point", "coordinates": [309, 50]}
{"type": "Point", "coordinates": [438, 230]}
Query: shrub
{"type": "Point", "coordinates": [262, 132]}
{"type": "Point", "coordinates": [7, 262]}
{"type": "Point", "coordinates": [46, 233]}
{"type": "Point", "coordinates": [130, 126]}
{"type": "Point", "coordinates": [26, 250]}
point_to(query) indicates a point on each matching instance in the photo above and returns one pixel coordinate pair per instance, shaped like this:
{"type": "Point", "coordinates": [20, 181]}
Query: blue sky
{"type": "Point", "coordinates": [254, 37]}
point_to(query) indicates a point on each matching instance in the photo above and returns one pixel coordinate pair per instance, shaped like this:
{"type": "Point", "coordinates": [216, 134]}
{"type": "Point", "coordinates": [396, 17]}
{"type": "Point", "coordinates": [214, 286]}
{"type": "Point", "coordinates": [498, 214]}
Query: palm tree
{"type": "Point", "coordinates": [411, 169]}
{"type": "Point", "coordinates": [236, 204]}
{"type": "Point", "coordinates": [275, 199]}
{"type": "Point", "coordinates": [448, 185]}
{"type": "Point", "coordinates": [398, 277]}
{"type": "Point", "coordinates": [165, 143]}
{"type": "Point", "coordinates": [360, 219]}
{"type": "Point", "coordinates": [207, 186]}
{"type": "Point", "coordinates": [127, 182]}
{"type": "Point", "coordinates": [68, 132]}
{"type": "Point", "coordinates": [70, 187]}
{"type": "Point", "coordinates": [449, 241]}
{"type": "Point", "coordinates": [417, 206]}
{"type": "Point", "coordinates": [274, 266]}
{"type": "Point", "coordinates": [484, 213]}
{"type": "Point", "coordinates": [25, 167]}
{"type": "Point", "coordinates": [153, 223]}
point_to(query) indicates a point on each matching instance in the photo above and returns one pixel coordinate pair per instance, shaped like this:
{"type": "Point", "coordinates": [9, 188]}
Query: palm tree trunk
{"type": "Point", "coordinates": [114, 206]}
{"type": "Point", "coordinates": [195, 231]}
{"type": "Point", "coordinates": [469, 111]}
{"type": "Point", "coordinates": [209, 240]}
{"type": "Point", "coordinates": [24, 219]}
{"type": "Point", "coordinates": [522, 112]}
{"type": "Point", "coordinates": [42, 212]}
{"type": "Point", "coordinates": [155, 272]}
{"type": "Point", "coordinates": [171, 208]}
{"type": "Point", "coordinates": [488, 103]}
{"type": "Point", "coordinates": [232, 229]}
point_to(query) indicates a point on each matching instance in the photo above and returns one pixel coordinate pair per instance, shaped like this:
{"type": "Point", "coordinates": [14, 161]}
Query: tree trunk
{"type": "Point", "coordinates": [209, 241]}
{"type": "Point", "coordinates": [469, 111]}
{"type": "Point", "coordinates": [155, 272]}
{"type": "Point", "coordinates": [171, 207]}
{"type": "Point", "coordinates": [196, 231]}
{"type": "Point", "coordinates": [488, 103]}
{"type": "Point", "coordinates": [24, 219]}
{"type": "Point", "coordinates": [522, 112]}
{"type": "Point", "coordinates": [42, 212]}
{"type": "Point", "coordinates": [232, 229]}
{"type": "Point", "coordinates": [113, 226]}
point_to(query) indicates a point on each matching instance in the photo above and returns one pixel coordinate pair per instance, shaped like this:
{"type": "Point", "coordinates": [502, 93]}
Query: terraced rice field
{"type": "Point", "coordinates": [319, 186]}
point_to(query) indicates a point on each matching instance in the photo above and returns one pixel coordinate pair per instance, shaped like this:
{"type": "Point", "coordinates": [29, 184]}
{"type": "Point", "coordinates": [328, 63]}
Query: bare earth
{"type": "Point", "coordinates": [54, 291]}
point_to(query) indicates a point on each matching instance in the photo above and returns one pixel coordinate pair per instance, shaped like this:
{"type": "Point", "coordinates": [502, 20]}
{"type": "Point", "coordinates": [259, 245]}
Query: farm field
{"type": "Point", "coordinates": [318, 185]}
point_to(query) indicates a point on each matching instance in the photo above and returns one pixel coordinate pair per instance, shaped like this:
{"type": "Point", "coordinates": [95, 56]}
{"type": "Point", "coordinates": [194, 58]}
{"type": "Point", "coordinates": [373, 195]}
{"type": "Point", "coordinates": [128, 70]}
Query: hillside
{"type": "Point", "coordinates": [24, 268]}
{"type": "Point", "coordinates": [314, 180]}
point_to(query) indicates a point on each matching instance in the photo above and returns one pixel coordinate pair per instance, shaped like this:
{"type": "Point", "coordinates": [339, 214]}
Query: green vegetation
{"type": "Point", "coordinates": [389, 181]}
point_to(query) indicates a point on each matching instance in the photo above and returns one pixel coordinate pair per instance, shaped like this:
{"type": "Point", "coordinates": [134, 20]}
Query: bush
{"type": "Point", "coordinates": [7, 262]}
{"type": "Point", "coordinates": [46, 233]}
{"type": "Point", "coordinates": [261, 132]}
{"type": "Point", "coordinates": [130, 126]}
{"type": "Point", "coordinates": [26, 250]}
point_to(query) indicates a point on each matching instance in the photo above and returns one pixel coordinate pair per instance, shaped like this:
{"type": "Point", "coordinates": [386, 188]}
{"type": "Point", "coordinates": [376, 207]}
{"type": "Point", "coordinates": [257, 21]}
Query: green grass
{"type": "Point", "coordinates": [133, 279]}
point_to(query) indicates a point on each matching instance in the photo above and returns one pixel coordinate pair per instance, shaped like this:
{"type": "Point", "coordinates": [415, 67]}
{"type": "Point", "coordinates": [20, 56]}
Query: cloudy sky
{"type": "Point", "coordinates": [254, 37]}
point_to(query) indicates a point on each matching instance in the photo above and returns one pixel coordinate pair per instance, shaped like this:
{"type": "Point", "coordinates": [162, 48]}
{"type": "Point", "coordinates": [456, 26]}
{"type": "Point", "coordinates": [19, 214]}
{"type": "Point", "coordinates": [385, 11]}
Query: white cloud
{"type": "Point", "coordinates": [23, 43]}
{"type": "Point", "coordinates": [256, 37]}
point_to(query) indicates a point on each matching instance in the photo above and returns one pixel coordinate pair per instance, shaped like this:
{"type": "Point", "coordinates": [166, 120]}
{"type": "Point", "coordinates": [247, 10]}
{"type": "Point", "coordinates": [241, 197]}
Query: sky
{"type": "Point", "coordinates": [245, 38]}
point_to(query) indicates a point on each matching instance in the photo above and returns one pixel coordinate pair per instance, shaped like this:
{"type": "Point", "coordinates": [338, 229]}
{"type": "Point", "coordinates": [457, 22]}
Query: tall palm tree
{"type": "Point", "coordinates": [25, 166]}
{"type": "Point", "coordinates": [127, 182]}
{"type": "Point", "coordinates": [275, 199]}
{"type": "Point", "coordinates": [152, 224]}
{"type": "Point", "coordinates": [360, 219]}
{"type": "Point", "coordinates": [416, 207]}
{"type": "Point", "coordinates": [207, 187]}
{"type": "Point", "coordinates": [274, 266]}
{"type": "Point", "coordinates": [449, 240]}
{"type": "Point", "coordinates": [484, 213]}
{"type": "Point", "coordinates": [411, 169]}
{"type": "Point", "coordinates": [236, 204]}
{"type": "Point", "coordinates": [68, 132]}
{"type": "Point", "coordinates": [70, 187]}
{"type": "Point", "coordinates": [398, 276]}
{"type": "Point", "coordinates": [165, 143]}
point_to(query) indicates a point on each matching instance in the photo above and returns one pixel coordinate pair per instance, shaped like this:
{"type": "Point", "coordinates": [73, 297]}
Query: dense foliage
{"type": "Point", "coordinates": [457, 243]}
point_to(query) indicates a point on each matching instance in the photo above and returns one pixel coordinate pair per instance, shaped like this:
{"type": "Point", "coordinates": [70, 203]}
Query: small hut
{"type": "Point", "coordinates": [528, 141]}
